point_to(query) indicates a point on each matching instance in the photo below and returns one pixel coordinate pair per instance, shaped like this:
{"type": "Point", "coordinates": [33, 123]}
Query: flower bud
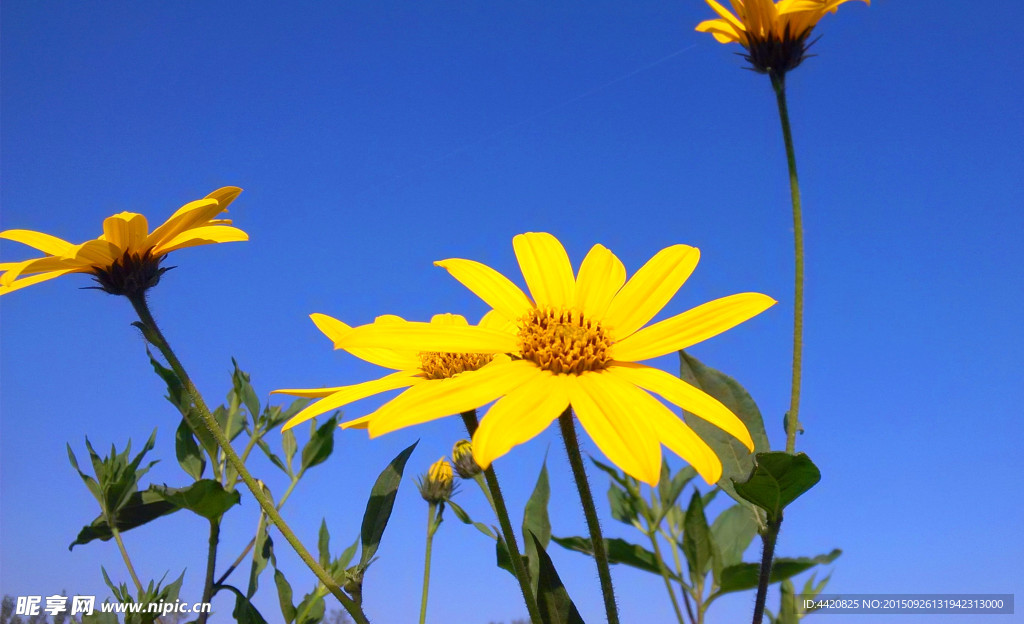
{"type": "Point", "coordinates": [462, 456]}
{"type": "Point", "coordinates": [436, 485]}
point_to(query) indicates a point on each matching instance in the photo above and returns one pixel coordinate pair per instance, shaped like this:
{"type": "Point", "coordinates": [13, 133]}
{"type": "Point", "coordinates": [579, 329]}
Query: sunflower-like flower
{"type": "Point", "coordinates": [774, 33]}
{"type": "Point", "coordinates": [413, 367]}
{"type": "Point", "coordinates": [576, 342]}
{"type": "Point", "coordinates": [125, 259]}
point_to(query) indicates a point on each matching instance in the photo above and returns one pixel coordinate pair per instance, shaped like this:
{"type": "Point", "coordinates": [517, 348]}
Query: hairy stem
{"type": "Point", "coordinates": [431, 528]}
{"type": "Point", "coordinates": [768, 539]}
{"type": "Point", "coordinates": [156, 338]}
{"type": "Point", "coordinates": [124, 555]}
{"type": "Point", "coordinates": [572, 448]}
{"type": "Point", "coordinates": [211, 563]}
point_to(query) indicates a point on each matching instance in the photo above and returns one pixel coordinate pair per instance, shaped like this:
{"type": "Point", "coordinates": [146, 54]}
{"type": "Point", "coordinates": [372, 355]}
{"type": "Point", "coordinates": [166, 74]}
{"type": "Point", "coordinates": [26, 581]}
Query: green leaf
{"type": "Point", "coordinates": [323, 544]}
{"type": "Point", "coordinates": [244, 612]}
{"type": "Point", "coordinates": [346, 555]}
{"type": "Point", "coordinates": [777, 480]}
{"type": "Point", "coordinates": [616, 476]}
{"type": "Point", "coordinates": [461, 514]}
{"type": "Point", "coordinates": [382, 501]}
{"type": "Point", "coordinates": [243, 389]}
{"type": "Point", "coordinates": [787, 604]}
{"type": "Point", "coordinates": [625, 508]}
{"type": "Point", "coordinates": [553, 600]}
{"type": "Point", "coordinates": [669, 490]}
{"type": "Point", "coordinates": [733, 531]}
{"type": "Point", "coordinates": [290, 447]}
{"type": "Point", "coordinates": [697, 543]}
{"type": "Point", "coordinates": [737, 461]}
{"type": "Point", "coordinates": [619, 551]}
{"type": "Point", "coordinates": [284, 596]}
{"type": "Point", "coordinates": [190, 458]}
{"type": "Point", "coordinates": [320, 445]}
{"type": "Point", "coordinates": [311, 609]}
{"type": "Point", "coordinates": [262, 552]}
{"type": "Point", "coordinates": [744, 576]}
{"type": "Point", "coordinates": [206, 497]}
{"type": "Point", "coordinates": [140, 508]}
{"type": "Point", "coordinates": [274, 459]}
{"type": "Point", "coordinates": [536, 521]}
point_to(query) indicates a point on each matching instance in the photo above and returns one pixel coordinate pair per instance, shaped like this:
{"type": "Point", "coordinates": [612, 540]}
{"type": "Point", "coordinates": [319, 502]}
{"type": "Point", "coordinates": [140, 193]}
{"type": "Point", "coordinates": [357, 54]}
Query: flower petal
{"type": "Point", "coordinates": [416, 336]}
{"type": "Point", "coordinates": [30, 280]}
{"type": "Point", "coordinates": [345, 395]}
{"type": "Point", "coordinates": [94, 253]}
{"type": "Point", "coordinates": [520, 416]}
{"type": "Point", "coordinates": [192, 214]}
{"type": "Point", "coordinates": [683, 441]}
{"type": "Point", "coordinates": [495, 289]}
{"type": "Point", "coordinates": [204, 235]}
{"type": "Point", "coordinates": [546, 268]}
{"type": "Point", "coordinates": [438, 398]}
{"type": "Point", "coordinates": [601, 276]}
{"type": "Point", "coordinates": [691, 327]}
{"type": "Point", "coordinates": [647, 292]}
{"type": "Point", "coordinates": [38, 240]}
{"type": "Point", "coordinates": [607, 407]}
{"type": "Point", "coordinates": [127, 231]}
{"type": "Point", "coordinates": [690, 398]}
{"type": "Point", "coordinates": [388, 358]}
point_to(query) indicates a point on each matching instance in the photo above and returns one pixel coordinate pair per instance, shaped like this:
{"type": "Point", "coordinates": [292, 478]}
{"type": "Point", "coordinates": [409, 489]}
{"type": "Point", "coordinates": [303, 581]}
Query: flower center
{"type": "Point", "coordinates": [562, 341]}
{"type": "Point", "coordinates": [442, 365]}
{"type": "Point", "coordinates": [131, 275]}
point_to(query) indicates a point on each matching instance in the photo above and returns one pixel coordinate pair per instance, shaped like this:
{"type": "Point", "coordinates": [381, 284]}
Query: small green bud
{"type": "Point", "coordinates": [436, 485]}
{"type": "Point", "coordinates": [462, 456]}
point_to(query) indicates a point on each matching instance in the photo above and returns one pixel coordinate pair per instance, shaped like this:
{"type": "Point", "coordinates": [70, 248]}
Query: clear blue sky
{"type": "Point", "coordinates": [374, 138]}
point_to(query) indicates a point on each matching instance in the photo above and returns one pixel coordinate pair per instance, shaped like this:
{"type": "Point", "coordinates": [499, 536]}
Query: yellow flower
{"type": "Point", "coordinates": [436, 486]}
{"type": "Point", "coordinates": [413, 367]}
{"type": "Point", "coordinates": [124, 259]}
{"type": "Point", "coordinates": [577, 342]}
{"type": "Point", "coordinates": [774, 33]}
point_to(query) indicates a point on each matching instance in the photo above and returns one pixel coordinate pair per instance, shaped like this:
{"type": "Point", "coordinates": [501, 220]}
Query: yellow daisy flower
{"type": "Point", "coordinates": [774, 33]}
{"type": "Point", "coordinates": [576, 342]}
{"type": "Point", "coordinates": [124, 259]}
{"type": "Point", "coordinates": [413, 367]}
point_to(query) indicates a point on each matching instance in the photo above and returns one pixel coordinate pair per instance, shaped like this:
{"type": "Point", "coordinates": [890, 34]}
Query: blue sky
{"type": "Point", "coordinates": [374, 138]}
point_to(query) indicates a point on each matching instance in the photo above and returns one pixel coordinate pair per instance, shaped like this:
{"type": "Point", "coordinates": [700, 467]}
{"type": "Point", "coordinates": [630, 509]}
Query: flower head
{"type": "Point", "coordinates": [576, 342]}
{"type": "Point", "coordinates": [462, 456]}
{"type": "Point", "coordinates": [436, 485]}
{"type": "Point", "coordinates": [413, 367]}
{"type": "Point", "coordinates": [774, 33]}
{"type": "Point", "coordinates": [125, 259]}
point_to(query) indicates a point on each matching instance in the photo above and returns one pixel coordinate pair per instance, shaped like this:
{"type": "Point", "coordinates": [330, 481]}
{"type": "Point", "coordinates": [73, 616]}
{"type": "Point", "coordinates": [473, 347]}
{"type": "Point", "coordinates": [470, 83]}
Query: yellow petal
{"type": "Point", "coordinates": [495, 289]}
{"type": "Point", "coordinates": [30, 280]}
{"type": "Point", "coordinates": [438, 398]}
{"type": "Point", "coordinates": [357, 423]}
{"type": "Point", "coordinates": [546, 268]}
{"type": "Point", "coordinates": [449, 319]}
{"type": "Point", "coordinates": [601, 276]}
{"type": "Point", "coordinates": [606, 406]}
{"type": "Point", "coordinates": [193, 214]}
{"type": "Point", "coordinates": [416, 336]}
{"type": "Point", "coordinates": [722, 31]}
{"type": "Point", "coordinates": [347, 394]}
{"type": "Point", "coordinates": [726, 15]}
{"type": "Point", "coordinates": [225, 195]}
{"type": "Point", "coordinates": [204, 235]}
{"type": "Point", "coordinates": [127, 231]}
{"type": "Point", "coordinates": [647, 292]}
{"type": "Point", "coordinates": [95, 253]}
{"type": "Point", "coordinates": [691, 327]}
{"type": "Point", "coordinates": [38, 240]}
{"type": "Point", "coordinates": [691, 399]}
{"type": "Point", "coordinates": [46, 264]}
{"type": "Point", "coordinates": [520, 416]}
{"type": "Point", "coordinates": [681, 440]}
{"type": "Point", "coordinates": [389, 358]}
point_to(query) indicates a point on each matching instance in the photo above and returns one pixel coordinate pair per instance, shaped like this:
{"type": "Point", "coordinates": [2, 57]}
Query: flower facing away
{"type": "Point", "coordinates": [413, 367]}
{"type": "Point", "coordinates": [577, 342]}
{"type": "Point", "coordinates": [125, 259]}
{"type": "Point", "coordinates": [465, 463]}
{"type": "Point", "coordinates": [774, 33]}
{"type": "Point", "coordinates": [436, 485]}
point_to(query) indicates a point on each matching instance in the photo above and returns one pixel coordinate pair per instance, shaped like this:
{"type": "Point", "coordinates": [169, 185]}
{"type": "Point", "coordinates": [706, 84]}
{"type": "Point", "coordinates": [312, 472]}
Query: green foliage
{"type": "Point", "coordinates": [555, 605]}
{"type": "Point", "coordinates": [777, 480]}
{"type": "Point", "coordinates": [537, 524]}
{"type": "Point", "coordinates": [382, 501]}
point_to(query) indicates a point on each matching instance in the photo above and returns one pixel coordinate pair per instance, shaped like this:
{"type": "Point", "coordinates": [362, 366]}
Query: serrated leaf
{"type": "Point", "coordinates": [552, 599]}
{"type": "Point", "coordinates": [205, 497]}
{"type": "Point", "coordinates": [382, 501]}
{"type": "Point", "coordinates": [744, 576]}
{"type": "Point", "coordinates": [737, 461]}
{"type": "Point", "coordinates": [778, 478]}
{"type": "Point", "coordinates": [190, 458]}
{"type": "Point", "coordinates": [536, 521]}
{"type": "Point", "coordinates": [320, 445]}
{"type": "Point", "coordinates": [619, 551]}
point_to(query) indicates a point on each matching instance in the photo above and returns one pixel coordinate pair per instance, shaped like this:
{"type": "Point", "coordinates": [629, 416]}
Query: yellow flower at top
{"type": "Point", "coordinates": [413, 367]}
{"type": "Point", "coordinates": [125, 259]}
{"type": "Point", "coordinates": [576, 342]}
{"type": "Point", "coordinates": [774, 33]}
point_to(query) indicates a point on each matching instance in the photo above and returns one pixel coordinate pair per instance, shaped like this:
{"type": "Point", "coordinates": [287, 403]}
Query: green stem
{"type": "Point", "coordinates": [768, 539]}
{"type": "Point", "coordinates": [156, 338]}
{"type": "Point", "coordinates": [498, 502]}
{"type": "Point", "coordinates": [124, 555]}
{"type": "Point", "coordinates": [572, 447]}
{"type": "Point", "coordinates": [792, 417]}
{"type": "Point", "coordinates": [211, 563]}
{"type": "Point", "coordinates": [431, 528]}
{"type": "Point", "coordinates": [664, 575]}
